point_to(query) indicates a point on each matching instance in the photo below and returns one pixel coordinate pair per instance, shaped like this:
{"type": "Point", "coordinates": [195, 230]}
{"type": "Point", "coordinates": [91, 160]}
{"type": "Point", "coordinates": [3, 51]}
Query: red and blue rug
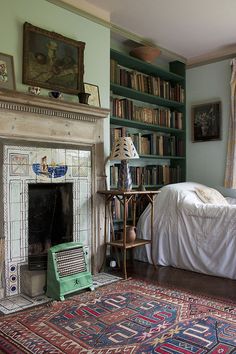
{"type": "Point", "coordinates": [125, 317]}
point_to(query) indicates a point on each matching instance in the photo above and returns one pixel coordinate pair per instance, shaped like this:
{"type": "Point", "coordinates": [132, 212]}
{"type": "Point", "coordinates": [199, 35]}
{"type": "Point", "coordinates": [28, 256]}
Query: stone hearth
{"type": "Point", "coordinates": [70, 136]}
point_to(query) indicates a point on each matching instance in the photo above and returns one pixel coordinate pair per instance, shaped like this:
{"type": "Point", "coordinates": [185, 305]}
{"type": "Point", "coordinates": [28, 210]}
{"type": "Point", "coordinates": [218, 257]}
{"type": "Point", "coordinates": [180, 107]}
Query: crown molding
{"type": "Point", "coordinates": [212, 57]}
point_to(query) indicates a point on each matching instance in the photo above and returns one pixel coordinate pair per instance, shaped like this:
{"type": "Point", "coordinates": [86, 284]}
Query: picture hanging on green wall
{"type": "Point", "coordinates": [7, 74]}
{"type": "Point", "coordinates": [206, 122]}
{"type": "Point", "coordinates": [52, 61]}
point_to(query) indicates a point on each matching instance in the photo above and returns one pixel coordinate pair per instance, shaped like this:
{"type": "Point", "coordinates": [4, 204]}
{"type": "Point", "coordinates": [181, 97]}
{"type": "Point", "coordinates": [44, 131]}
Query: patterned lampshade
{"type": "Point", "coordinates": [123, 149]}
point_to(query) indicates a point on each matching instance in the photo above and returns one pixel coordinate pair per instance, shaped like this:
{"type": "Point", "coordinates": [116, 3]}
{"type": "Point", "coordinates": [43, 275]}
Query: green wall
{"type": "Point", "coordinates": [48, 16]}
{"type": "Point", "coordinates": [206, 160]}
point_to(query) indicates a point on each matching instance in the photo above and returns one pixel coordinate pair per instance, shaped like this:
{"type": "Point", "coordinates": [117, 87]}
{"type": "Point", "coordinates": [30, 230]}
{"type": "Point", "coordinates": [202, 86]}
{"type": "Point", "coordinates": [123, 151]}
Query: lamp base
{"type": "Point", "coordinates": [124, 179]}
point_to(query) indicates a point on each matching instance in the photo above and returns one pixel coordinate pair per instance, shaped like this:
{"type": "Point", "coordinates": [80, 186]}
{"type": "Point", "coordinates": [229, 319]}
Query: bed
{"type": "Point", "coordinates": [190, 233]}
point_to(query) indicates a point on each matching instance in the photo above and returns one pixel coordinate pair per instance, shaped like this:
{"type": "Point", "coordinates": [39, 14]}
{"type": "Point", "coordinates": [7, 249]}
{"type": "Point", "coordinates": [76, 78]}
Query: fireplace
{"type": "Point", "coordinates": [54, 148]}
{"type": "Point", "coordinates": [50, 220]}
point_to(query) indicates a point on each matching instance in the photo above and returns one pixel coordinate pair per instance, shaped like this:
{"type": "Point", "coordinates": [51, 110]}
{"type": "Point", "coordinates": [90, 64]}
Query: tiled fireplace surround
{"type": "Point", "coordinates": [68, 134]}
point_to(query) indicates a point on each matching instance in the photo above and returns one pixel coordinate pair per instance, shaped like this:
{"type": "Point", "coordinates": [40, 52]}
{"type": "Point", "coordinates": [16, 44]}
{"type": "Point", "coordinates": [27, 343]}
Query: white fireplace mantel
{"type": "Point", "coordinates": [29, 117]}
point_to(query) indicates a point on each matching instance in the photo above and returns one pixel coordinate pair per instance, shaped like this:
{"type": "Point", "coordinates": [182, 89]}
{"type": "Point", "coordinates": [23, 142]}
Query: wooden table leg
{"type": "Point", "coordinates": [124, 263]}
{"type": "Point", "coordinates": [105, 238]}
{"type": "Point", "coordinates": [104, 258]}
{"type": "Point", "coordinates": [152, 222]}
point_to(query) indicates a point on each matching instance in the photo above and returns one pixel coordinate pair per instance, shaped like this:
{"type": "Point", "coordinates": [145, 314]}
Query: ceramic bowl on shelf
{"type": "Point", "coordinates": [146, 53]}
{"type": "Point", "coordinates": [34, 90]}
{"type": "Point", "coordinates": [55, 94]}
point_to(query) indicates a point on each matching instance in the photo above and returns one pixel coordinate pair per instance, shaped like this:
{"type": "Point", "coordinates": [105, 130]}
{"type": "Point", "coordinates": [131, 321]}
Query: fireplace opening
{"type": "Point", "coordinates": [50, 220]}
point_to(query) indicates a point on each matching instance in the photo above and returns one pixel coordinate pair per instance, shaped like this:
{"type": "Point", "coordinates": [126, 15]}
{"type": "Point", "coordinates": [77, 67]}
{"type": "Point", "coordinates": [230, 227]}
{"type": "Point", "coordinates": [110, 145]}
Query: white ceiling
{"type": "Point", "coordinates": [193, 29]}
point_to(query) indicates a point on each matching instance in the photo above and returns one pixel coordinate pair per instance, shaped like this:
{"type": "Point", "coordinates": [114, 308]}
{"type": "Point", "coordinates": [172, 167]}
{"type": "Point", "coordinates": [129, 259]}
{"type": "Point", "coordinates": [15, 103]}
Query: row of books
{"type": "Point", "coordinates": [127, 109]}
{"type": "Point", "coordinates": [117, 210]}
{"type": "Point", "coordinates": [152, 143]}
{"type": "Point", "coordinates": [146, 83]}
{"type": "Point", "coordinates": [149, 175]}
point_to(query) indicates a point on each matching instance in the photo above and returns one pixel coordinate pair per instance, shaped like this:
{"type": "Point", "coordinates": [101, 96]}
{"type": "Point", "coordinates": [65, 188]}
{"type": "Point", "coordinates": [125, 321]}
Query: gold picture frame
{"type": "Point", "coordinates": [7, 73]}
{"type": "Point", "coordinates": [52, 61]}
{"type": "Point", "coordinates": [93, 90]}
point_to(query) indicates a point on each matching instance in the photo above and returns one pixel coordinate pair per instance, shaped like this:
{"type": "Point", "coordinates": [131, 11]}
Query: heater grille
{"type": "Point", "coordinates": [70, 262]}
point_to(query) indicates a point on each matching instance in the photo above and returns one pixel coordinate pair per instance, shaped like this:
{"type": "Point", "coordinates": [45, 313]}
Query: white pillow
{"type": "Point", "coordinates": [210, 196]}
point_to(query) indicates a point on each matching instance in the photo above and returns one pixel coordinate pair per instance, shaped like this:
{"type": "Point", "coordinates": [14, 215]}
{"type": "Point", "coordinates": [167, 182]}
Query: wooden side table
{"type": "Point", "coordinates": [125, 198]}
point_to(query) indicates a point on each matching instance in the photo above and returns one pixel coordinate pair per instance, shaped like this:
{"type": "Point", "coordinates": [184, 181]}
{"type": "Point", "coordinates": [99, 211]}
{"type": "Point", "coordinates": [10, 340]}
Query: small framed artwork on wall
{"type": "Point", "coordinates": [94, 98]}
{"type": "Point", "coordinates": [206, 122]}
{"type": "Point", "coordinates": [7, 74]}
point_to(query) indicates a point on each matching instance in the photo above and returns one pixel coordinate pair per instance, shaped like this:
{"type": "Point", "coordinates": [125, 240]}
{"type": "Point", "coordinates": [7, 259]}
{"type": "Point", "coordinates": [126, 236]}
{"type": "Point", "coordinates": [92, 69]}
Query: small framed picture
{"type": "Point", "coordinates": [7, 73]}
{"type": "Point", "coordinates": [94, 98]}
{"type": "Point", "coordinates": [206, 122]}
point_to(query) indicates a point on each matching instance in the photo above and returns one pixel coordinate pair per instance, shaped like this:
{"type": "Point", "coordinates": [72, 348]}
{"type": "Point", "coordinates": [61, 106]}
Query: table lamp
{"type": "Point", "coordinates": [124, 150]}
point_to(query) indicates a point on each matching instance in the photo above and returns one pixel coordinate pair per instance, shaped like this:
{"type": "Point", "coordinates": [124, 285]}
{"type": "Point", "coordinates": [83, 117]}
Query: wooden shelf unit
{"type": "Point", "coordinates": [125, 198]}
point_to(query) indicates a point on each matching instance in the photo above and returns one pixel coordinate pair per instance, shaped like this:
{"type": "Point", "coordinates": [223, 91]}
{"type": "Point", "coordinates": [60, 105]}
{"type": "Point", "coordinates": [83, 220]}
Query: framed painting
{"type": "Point", "coordinates": [206, 122]}
{"type": "Point", "coordinates": [94, 98]}
{"type": "Point", "coordinates": [52, 61]}
{"type": "Point", "coordinates": [7, 73]}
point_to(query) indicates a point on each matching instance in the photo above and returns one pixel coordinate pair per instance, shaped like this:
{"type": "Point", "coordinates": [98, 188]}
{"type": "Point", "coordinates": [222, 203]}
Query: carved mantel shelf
{"type": "Point", "coordinates": [18, 101]}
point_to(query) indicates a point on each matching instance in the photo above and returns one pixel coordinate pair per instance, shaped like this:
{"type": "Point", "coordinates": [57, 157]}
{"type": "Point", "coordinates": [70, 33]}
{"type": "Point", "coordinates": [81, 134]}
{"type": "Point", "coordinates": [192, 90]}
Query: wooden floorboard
{"type": "Point", "coordinates": [190, 281]}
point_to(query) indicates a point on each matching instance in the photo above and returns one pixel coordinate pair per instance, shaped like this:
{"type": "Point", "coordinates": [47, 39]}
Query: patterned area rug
{"type": "Point", "coordinates": [124, 317]}
{"type": "Point", "coordinates": [21, 302]}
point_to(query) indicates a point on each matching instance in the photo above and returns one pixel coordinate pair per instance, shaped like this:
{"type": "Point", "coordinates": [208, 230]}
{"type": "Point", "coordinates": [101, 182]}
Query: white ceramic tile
{"type": "Point", "coordinates": [21, 301]}
{"type": "Point", "coordinates": [69, 175]}
{"type": "Point", "coordinates": [45, 153]}
{"type": "Point", "coordinates": [83, 237]}
{"type": "Point", "coordinates": [15, 230]}
{"type": "Point", "coordinates": [72, 157]}
{"type": "Point", "coordinates": [59, 179]}
{"type": "Point", "coordinates": [83, 221]}
{"type": "Point", "coordinates": [15, 249]}
{"type": "Point", "coordinates": [18, 158]}
{"type": "Point", "coordinates": [75, 171]}
{"type": "Point", "coordinates": [43, 179]}
{"type": "Point", "coordinates": [85, 155]}
{"type": "Point", "coordinates": [32, 175]}
{"type": "Point", "coordinates": [8, 304]}
{"type": "Point", "coordinates": [33, 158]}
{"type": "Point", "coordinates": [15, 191]}
{"type": "Point", "coordinates": [83, 187]}
{"type": "Point", "coordinates": [58, 157]}
{"type": "Point", "coordinates": [15, 212]}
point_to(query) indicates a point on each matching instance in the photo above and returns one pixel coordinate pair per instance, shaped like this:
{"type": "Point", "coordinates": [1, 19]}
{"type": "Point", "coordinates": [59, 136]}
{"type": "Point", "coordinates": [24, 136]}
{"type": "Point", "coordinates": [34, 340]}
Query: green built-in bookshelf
{"type": "Point", "coordinates": [148, 104]}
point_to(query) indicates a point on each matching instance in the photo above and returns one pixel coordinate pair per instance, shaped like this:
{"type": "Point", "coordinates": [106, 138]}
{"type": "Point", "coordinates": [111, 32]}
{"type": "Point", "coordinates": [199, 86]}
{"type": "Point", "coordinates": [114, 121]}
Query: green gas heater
{"type": "Point", "coordinates": [67, 270]}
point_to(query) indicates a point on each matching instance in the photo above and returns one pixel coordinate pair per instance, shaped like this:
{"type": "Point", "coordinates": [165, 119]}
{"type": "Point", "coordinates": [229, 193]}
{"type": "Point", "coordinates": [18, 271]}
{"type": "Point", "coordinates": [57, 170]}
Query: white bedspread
{"type": "Point", "coordinates": [189, 234]}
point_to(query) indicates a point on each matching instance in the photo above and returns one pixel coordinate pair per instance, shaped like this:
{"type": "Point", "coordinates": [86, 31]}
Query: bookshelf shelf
{"type": "Point", "coordinates": [148, 104]}
{"type": "Point", "coordinates": [144, 97]}
{"type": "Point", "coordinates": [162, 157]}
{"type": "Point", "coordinates": [144, 126]}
